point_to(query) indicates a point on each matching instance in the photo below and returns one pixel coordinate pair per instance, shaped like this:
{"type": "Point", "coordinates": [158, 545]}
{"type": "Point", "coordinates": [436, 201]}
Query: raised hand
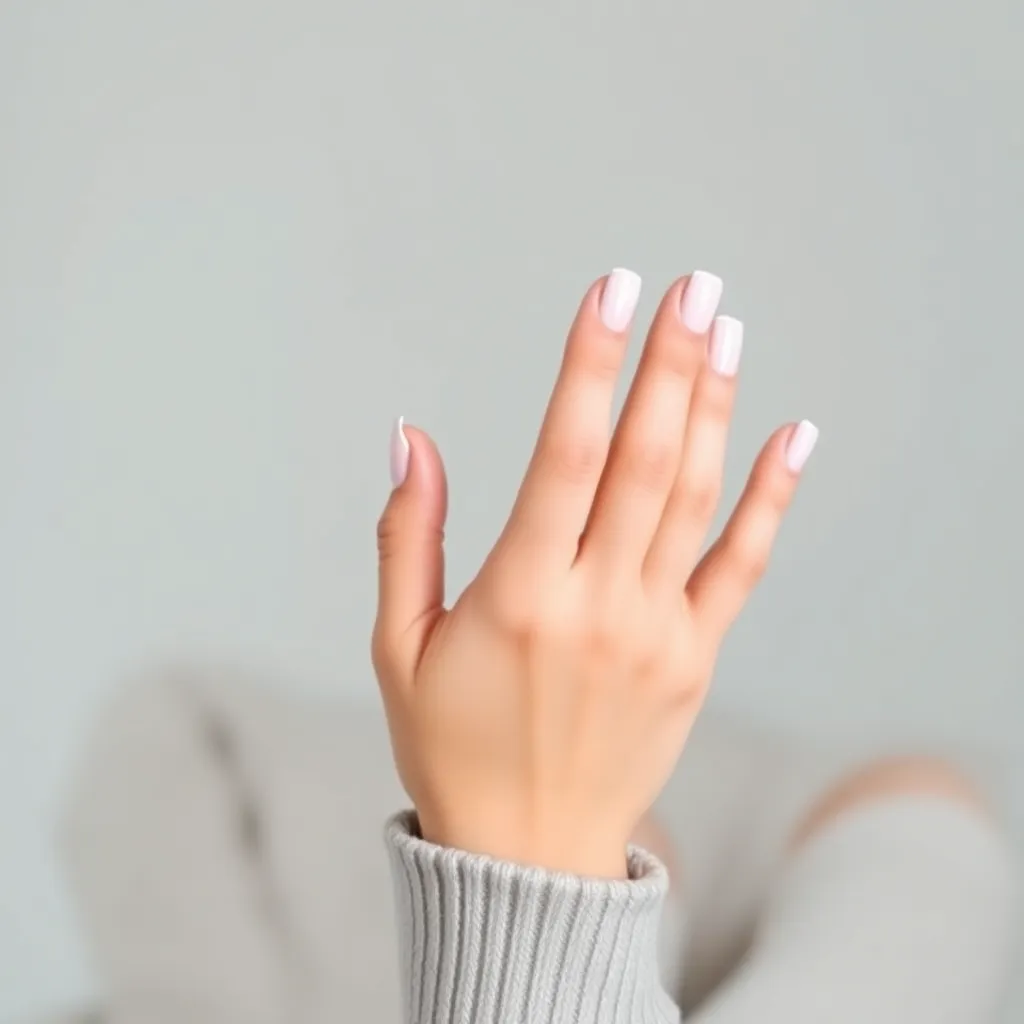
{"type": "Point", "coordinates": [537, 720]}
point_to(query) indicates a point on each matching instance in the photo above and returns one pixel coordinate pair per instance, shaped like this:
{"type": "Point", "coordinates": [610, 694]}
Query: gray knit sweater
{"type": "Point", "coordinates": [488, 942]}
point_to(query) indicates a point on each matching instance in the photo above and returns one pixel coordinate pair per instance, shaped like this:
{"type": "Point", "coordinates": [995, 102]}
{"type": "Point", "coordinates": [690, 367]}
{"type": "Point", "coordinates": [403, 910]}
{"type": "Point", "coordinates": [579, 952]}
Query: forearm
{"type": "Point", "coordinates": [493, 942]}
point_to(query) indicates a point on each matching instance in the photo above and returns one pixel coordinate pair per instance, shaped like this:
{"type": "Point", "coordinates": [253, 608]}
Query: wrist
{"type": "Point", "coordinates": [566, 850]}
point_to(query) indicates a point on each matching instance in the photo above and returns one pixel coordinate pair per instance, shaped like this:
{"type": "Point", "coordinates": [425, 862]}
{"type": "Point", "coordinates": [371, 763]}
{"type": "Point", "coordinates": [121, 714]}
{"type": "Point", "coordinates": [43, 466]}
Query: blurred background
{"type": "Point", "coordinates": [237, 238]}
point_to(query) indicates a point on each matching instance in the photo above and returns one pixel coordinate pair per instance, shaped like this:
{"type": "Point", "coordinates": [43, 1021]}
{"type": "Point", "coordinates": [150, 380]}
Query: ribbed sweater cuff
{"type": "Point", "coordinates": [487, 942]}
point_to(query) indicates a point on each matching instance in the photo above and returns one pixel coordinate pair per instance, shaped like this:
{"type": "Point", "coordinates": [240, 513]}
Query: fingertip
{"type": "Point", "coordinates": [416, 465]}
{"type": "Point", "coordinates": [699, 301]}
{"type": "Point", "coordinates": [399, 452]}
{"type": "Point", "coordinates": [777, 450]}
{"type": "Point", "coordinates": [620, 294]}
{"type": "Point", "coordinates": [419, 444]}
{"type": "Point", "coordinates": [800, 443]}
{"type": "Point", "coordinates": [777, 471]}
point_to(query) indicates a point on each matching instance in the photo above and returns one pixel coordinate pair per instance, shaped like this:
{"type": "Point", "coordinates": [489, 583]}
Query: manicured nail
{"type": "Point", "coordinates": [700, 300]}
{"type": "Point", "coordinates": [399, 452]}
{"type": "Point", "coordinates": [619, 298]}
{"type": "Point", "coordinates": [726, 345]}
{"type": "Point", "coordinates": [801, 444]}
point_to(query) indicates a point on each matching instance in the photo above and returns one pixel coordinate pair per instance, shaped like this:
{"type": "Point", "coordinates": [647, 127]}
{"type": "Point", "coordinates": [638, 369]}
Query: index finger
{"type": "Point", "coordinates": [551, 509]}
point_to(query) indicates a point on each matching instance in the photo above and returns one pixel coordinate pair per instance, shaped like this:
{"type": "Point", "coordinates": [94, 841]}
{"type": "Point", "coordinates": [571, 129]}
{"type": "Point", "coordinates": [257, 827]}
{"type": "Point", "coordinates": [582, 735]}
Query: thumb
{"type": "Point", "coordinates": [410, 538]}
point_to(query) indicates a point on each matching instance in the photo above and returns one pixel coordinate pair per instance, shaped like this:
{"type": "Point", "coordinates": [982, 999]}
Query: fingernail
{"type": "Point", "coordinates": [801, 444]}
{"type": "Point", "coordinates": [726, 345]}
{"type": "Point", "coordinates": [619, 298]}
{"type": "Point", "coordinates": [700, 300]}
{"type": "Point", "coordinates": [399, 453]}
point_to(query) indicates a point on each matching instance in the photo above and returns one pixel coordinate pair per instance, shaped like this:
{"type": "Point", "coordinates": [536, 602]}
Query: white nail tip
{"type": "Point", "coordinates": [624, 274]}
{"type": "Point", "coordinates": [726, 345]}
{"type": "Point", "coordinates": [801, 444]}
{"type": "Point", "coordinates": [399, 455]}
{"type": "Point", "coordinates": [707, 284]}
{"type": "Point", "coordinates": [619, 299]}
{"type": "Point", "coordinates": [700, 301]}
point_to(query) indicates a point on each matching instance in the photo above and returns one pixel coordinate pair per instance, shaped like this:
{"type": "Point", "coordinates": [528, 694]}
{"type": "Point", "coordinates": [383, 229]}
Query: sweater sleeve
{"type": "Point", "coordinates": [491, 942]}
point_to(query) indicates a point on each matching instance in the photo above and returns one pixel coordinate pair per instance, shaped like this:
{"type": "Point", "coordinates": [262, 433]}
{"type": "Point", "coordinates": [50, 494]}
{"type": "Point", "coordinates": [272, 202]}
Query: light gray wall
{"type": "Point", "coordinates": [237, 237]}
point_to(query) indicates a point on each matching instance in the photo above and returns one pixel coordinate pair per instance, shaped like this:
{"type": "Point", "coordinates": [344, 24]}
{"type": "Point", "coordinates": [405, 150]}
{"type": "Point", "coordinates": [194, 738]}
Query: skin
{"type": "Point", "coordinates": [888, 778]}
{"type": "Point", "coordinates": [537, 718]}
{"type": "Point", "coordinates": [873, 782]}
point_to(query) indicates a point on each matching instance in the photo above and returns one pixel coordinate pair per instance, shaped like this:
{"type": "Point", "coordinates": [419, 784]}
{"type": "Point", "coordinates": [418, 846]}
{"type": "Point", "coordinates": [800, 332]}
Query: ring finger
{"type": "Point", "coordinates": [695, 492]}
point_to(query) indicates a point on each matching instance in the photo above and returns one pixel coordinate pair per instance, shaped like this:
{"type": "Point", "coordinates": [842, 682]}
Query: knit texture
{"type": "Point", "coordinates": [488, 942]}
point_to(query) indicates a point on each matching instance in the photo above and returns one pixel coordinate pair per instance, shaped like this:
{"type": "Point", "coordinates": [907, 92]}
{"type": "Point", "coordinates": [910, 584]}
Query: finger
{"type": "Point", "coordinates": [410, 537]}
{"type": "Point", "coordinates": [645, 450]}
{"type": "Point", "coordinates": [728, 573]}
{"type": "Point", "coordinates": [698, 483]}
{"type": "Point", "coordinates": [556, 494]}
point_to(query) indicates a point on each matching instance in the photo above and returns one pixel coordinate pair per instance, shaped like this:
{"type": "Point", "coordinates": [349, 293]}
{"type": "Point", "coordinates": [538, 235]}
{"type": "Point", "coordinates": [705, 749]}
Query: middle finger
{"type": "Point", "coordinates": [646, 447]}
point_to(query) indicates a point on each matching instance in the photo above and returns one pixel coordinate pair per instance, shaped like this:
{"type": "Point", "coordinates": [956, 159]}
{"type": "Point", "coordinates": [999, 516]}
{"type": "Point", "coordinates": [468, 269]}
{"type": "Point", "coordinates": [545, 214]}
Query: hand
{"type": "Point", "coordinates": [537, 720]}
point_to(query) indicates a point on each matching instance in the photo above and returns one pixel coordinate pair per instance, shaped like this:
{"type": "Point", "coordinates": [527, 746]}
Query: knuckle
{"type": "Point", "coordinates": [605, 634]}
{"type": "Point", "coordinates": [651, 465]}
{"type": "Point", "coordinates": [777, 495]}
{"type": "Point", "coordinates": [511, 608]}
{"type": "Point", "coordinates": [564, 632]}
{"type": "Point", "coordinates": [575, 459]}
{"type": "Point", "coordinates": [715, 400]}
{"type": "Point", "coordinates": [750, 562]}
{"type": "Point", "coordinates": [598, 358]}
{"type": "Point", "coordinates": [387, 533]}
{"type": "Point", "coordinates": [772, 489]}
{"type": "Point", "coordinates": [686, 695]}
{"type": "Point", "coordinates": [682, 359]}
{"type": "Point", "coordinates": [648, 657]}
{"type": "Point", "coordinates": [700, 499]}
{"type": "Point", "coordinates": [603, 642]}
{"type": "Point", "coordinates": [510, 616]}
{"type": "Point", "coordinates": [400, 527]}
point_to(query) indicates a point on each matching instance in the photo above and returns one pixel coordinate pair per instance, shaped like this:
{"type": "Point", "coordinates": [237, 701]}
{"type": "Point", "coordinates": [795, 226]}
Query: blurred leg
{"type": "Point", "coordinates": [896, 904]}
{"type": "Point", "coordinates": [722, 826]}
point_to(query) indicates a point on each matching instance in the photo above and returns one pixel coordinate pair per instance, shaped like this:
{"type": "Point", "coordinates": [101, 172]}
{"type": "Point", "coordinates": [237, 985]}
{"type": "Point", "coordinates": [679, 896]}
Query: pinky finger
{"type": "Point", "coordinates": [726, 576]}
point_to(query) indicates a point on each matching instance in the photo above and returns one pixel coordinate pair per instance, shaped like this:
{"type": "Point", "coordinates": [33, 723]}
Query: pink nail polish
{"type": "Point", "coordinates": [801, 444]}
{"type": "Point", "coordinates": [700, 301]}
{"type": "Point", "coordinates": [726, 345]}
{"type": "Point", "coordinates": [619, 299]}
{"type": "Point", "coordinates": [399, 453]}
